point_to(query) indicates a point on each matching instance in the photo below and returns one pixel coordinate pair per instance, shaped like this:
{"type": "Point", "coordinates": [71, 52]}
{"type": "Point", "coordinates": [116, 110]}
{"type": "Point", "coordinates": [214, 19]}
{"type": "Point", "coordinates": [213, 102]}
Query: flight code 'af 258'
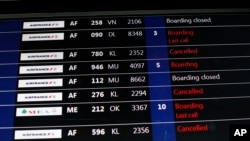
{"type": "Point", "coordinates": [130, 21]}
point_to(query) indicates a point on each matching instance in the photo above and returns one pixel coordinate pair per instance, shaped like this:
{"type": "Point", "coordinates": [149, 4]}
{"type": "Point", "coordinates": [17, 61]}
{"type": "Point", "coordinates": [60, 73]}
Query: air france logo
{"type": "Point", "coordinates": [34, 97]}
{"type": "Point", "coordinates": [43, 37]}
{"type": "Point", "coordinates": [28, 83]}
{"type": "Point", "coordinates": [40, 69]}
{"type": "Point", "coordinates": [38, 134]}
{"type": "Point", "coordinates": [41, 56]}
{"type": "Point", "coordinates": [49, 24]}
{"type": "Point", "coordinates": [43, 24]}
{"type": "Point", "coordinates": [53, 36]}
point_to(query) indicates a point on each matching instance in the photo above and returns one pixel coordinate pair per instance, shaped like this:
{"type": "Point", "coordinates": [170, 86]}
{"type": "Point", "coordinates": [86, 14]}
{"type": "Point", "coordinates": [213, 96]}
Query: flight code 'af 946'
{"type": "Point", "coordinates": [84, 68]}
{"type": "Point", "coordinates": [117, 66]}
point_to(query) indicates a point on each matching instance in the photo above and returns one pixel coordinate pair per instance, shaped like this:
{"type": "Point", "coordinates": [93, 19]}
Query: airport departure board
{"type": "Point", "coordinates": [124, 77]}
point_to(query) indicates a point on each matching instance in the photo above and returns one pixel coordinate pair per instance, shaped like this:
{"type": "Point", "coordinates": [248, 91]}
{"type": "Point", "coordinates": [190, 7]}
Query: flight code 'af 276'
{"type": "Point", "coordinates": [114, 93]}
{"type": "Point", "coordinates": [102, 95]}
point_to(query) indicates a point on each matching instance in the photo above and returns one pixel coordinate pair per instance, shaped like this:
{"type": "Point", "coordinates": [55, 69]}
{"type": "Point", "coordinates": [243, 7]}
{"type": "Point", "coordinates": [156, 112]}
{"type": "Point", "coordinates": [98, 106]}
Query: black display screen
{"type": "Point", "coordinates": [166, 75]}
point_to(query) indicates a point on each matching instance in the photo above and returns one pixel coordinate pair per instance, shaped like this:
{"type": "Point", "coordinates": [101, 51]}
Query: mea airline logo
{"type": "Point", "coordinates": [38, 111]}
{"type": "Point", "coordinates": [35, 97]}
{"type": "Point", "coordinates": [38, 134]}
{"type": "Point", "coordinates": [40, 69]}
{"type": "Point", "coordinates": [31, 83]}
{"type": "Point", "coordinates": [43, 37]}
{"type": "Point", "coordinates": [43, 24]}
{"type": "Point", "coordinates": [41, 56]}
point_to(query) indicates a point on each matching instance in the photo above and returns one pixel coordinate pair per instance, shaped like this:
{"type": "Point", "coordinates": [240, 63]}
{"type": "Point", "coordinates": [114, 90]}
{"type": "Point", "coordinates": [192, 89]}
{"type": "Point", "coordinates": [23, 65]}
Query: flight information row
{"type": "Point", "coordinates": [127, 80]}
{"type": "Point", "coordinates": [117, 67]}
{"type": "Point", "coordinates": [199, 53]}
{"type": "Point", "coordinates": [130, 112]}
{"type": "Point", "coordinates": [74, 95]}
{"type": "Point", "coordinates": [131, 37]}
{"type": "Point", "coordinates": [131, 22]}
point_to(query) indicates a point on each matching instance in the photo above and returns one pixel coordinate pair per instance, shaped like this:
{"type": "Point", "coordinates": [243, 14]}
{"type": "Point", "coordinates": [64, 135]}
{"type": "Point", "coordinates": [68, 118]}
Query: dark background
{"type": "Point", "coordinates": [41, 6]}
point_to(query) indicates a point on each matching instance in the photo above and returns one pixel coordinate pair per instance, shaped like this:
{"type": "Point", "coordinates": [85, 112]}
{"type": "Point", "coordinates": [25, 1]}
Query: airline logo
{"type": "Point", "coordinates": [35, 97]}
{"type": "Point", "coordinates": [38, 134]}
{"type": "Point", "coordinates": [40, 69]}
{"type": "Point", "coordinates": [43, 24]}
{"type": "Point", "coordinates": [41, 56]}
{"type": "Point", "coordinates": [43, 37]}
{"type": "Point", "coordinates": [38, 111]}
{"type": "Point", "coordinates": [31, 83]}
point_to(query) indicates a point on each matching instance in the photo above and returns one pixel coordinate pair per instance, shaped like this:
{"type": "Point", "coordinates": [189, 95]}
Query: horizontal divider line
{"type": "Point", "coordinates": [127, 87]}
{"type": "Point", "coordinates": [127, 124]}
{"type": "Point", "coordinates": [131, 101]}
{"type": "Point", "coordinates": [155, 59]}
{"type": "Point", "coordinates": [31, 76]}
